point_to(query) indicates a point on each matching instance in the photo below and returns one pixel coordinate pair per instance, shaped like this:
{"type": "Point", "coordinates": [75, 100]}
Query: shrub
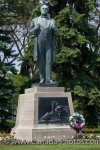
{"type": "Point", "coordinates": [91, 130]}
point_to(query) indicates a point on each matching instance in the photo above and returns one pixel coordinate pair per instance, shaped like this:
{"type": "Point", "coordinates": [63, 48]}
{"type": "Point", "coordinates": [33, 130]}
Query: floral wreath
{"type": "Point", "coordinates": [77, 121]}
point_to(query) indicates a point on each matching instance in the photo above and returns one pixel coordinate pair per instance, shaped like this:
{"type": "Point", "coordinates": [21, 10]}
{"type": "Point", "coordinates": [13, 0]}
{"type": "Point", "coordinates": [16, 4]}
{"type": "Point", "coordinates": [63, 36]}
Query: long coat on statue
{"type": "Point", "coordinates": [44, 30]}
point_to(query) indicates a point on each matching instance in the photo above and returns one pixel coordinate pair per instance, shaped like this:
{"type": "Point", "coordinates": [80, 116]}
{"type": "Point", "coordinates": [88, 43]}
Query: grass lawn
{"type": "Point", "coordinates": [51, 147]}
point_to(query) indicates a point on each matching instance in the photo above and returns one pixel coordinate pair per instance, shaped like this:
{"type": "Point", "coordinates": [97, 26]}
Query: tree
{"type": "Point", "coordinates": [77, 62]}
{"type": "Point", "coordinates": [6, 64]}
{"type": "Point", "coordinates": [77, 65]}
{"type": "Point", "coordinates": [22, 10]}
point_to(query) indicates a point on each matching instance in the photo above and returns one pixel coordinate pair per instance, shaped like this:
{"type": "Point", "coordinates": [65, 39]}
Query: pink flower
{"type": "Point", "coordinates": [14, 133]}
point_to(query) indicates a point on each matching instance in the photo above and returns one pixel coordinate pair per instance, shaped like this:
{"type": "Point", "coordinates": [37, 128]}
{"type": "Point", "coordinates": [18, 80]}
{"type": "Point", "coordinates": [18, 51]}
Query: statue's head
{"type": "Point", "coordinates": [44, 9]}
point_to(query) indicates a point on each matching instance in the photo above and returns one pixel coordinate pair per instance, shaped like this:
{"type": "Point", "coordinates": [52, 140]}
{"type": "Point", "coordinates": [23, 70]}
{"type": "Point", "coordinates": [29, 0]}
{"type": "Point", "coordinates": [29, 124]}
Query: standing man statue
{"type": "Point", "coordinates": [44, 30]}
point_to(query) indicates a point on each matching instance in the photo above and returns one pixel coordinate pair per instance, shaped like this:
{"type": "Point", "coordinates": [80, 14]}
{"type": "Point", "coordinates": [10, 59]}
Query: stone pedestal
{"type": "Point", "coordinates": [29, 112]}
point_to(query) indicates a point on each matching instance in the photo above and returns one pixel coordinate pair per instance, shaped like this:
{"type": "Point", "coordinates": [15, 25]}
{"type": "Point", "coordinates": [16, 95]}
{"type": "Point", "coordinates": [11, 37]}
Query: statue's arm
{"type": "Point", "coordinates": [54, 27]}
{"type": "Point", "coordinates": [33, 28]}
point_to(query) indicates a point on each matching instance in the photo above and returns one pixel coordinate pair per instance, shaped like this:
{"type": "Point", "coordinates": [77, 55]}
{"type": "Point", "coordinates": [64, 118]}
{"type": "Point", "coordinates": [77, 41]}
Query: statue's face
{"type": "Point", "coordinates": [44, 10]}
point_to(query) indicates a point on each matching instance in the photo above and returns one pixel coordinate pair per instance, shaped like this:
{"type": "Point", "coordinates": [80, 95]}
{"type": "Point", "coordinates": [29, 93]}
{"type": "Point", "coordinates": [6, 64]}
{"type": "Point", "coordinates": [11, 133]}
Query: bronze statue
{"type": "Point", "coordinates": [44, 30]}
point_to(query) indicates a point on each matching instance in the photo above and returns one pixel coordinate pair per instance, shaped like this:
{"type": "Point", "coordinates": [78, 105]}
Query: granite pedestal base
{"type": "Point", "coordinates": [34, 105]}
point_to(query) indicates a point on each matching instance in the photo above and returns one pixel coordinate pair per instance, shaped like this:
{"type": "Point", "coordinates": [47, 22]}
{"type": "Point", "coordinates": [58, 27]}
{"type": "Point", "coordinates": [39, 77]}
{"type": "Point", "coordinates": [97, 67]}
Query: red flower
{"type": "Point", "coordinates": [14, 133]}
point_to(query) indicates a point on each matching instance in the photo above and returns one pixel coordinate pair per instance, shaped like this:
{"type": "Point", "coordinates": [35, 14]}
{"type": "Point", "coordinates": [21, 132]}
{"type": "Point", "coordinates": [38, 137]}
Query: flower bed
{"type": "Point", "coordinates": [11, 140]}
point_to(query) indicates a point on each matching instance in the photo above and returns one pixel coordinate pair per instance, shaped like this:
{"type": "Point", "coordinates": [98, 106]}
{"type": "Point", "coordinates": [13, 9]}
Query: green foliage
{"type": "Point", "coordinates": [77, 65]}
{"type": "Point", "coordinates": [66, 54]}
{"type": "Point", "coordinates": [20, 80]}
{"type": "Point", "coordinates": [36, 12]}
{"type": "Point", "coordinates": [6, 65]}
{"type": "Point", "coordinates": [27, 60]}
{"type": "Point", "coordinates": [6, 126]}
{"type": "Point", "coordinates": [91, 130]}
{"type": "Point", "coordinates": [79, 91]}
{"type": "Point", "coordinates": [22, 8]}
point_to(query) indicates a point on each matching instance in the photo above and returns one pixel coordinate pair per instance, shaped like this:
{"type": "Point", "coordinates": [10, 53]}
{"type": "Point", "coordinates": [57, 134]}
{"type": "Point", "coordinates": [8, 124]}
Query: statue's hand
{"type": "Point", "coordinates": [37, 27]}
{"type": "Point", "coordinates": [34, 30]}
{"type": "Point", "coordinates": [32, 36]}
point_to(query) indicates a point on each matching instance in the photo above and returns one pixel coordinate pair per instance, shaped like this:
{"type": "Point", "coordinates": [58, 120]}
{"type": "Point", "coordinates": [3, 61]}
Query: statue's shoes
{"type": "Point", "coordinates": [50, 82]}
{"type": "Point", "coordinates": [41, 81]}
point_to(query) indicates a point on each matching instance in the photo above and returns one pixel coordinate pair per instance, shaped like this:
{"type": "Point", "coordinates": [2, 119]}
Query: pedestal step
{"type": "Point", "coordinates": [45, 89]}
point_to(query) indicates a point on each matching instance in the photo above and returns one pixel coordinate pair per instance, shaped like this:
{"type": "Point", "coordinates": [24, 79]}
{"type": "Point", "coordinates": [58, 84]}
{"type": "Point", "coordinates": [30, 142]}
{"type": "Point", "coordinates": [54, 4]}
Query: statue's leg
{"type": "Point", "coordinates": [48, 65]}
{"type": "Point", "coordinates": [42, 65]}
{"type": "Point", "coordinates": [42, 68]}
